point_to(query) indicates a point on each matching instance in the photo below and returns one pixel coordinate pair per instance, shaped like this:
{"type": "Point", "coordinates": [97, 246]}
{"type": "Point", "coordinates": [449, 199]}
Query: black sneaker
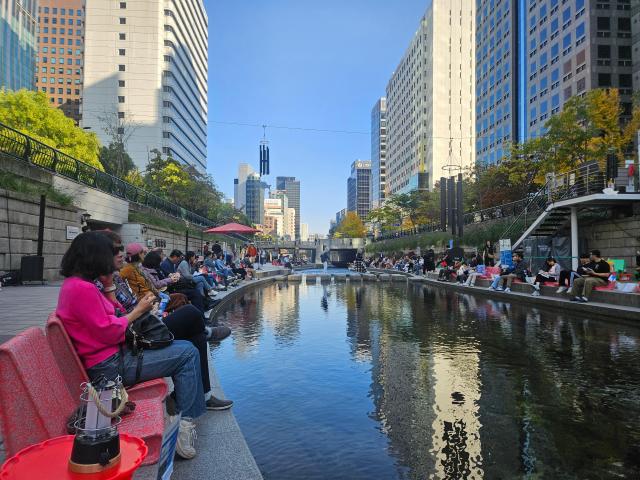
{"type": "Point", "coordinates": [218, 334]}
{"type": "Point", "coordinates": [218, 404]}
{"type": "Point", "coordinates": [576, 299]}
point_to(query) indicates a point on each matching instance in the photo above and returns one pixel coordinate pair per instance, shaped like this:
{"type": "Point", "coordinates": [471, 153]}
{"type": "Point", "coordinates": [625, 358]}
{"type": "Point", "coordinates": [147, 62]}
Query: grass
{"type": "Point", "coordinates": [16, 183]}
{"type": "Point", "coordinates": [474, 237]}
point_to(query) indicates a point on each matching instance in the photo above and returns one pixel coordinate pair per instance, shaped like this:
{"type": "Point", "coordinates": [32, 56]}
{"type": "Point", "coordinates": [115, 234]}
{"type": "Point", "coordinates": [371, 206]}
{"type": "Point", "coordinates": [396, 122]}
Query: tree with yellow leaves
{"type": "Point", "coordinates": [351, 226]}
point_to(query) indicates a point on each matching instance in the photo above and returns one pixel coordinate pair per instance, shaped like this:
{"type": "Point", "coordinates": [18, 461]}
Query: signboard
{"type": "Point", "coordinates": [168, 449]}
{"type": "Point", "coordinates": [72, 232]}
{"type": "Point", "coordinates": [506, 257]}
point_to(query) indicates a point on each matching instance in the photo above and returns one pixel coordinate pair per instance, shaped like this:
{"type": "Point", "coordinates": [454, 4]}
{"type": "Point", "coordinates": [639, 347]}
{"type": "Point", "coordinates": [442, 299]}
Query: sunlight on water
{"type": "Point", "coordinates": [361, 381]}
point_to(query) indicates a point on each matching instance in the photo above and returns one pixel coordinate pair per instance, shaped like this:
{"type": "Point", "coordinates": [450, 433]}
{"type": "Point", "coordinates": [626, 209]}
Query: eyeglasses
{"type": "Point", "coordinates": [118, 249]}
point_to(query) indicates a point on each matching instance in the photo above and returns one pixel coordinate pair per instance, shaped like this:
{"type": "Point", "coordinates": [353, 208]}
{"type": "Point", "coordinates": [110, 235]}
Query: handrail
{"type": "Point", "coordinates": [25, 148]}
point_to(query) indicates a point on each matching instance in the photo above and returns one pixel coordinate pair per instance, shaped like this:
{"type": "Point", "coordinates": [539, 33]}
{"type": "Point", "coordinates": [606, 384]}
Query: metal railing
{"type": "Point", "coordinates": [20, 146]}
{"type": "Point", "coordinates": [583, 181]}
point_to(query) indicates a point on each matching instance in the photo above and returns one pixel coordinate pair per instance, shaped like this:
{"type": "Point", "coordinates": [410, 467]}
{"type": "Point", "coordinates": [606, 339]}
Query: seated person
{"type": "Point", "coordinates": [462, 272]}
{"type": "Point", "coordinates": [567, 276]}
{"type": "Point", "coordinates": [549, 273]}
{"type": "Point", "coordinates": [637, 265]}
{"type": "Point", "coordinates": [509, 274]}
{"type": "Point", "coordinates": [96, 324]}
{"type": "Point", "coordinates": [597, 275]}
{"type": "Point", "coordinates": [142, 285]}
{"type": "Point", "coordinates": [446, 271]}
{"type": "Point", "coordinates": [187, 270]}
{"type": "Point", "coordinates": [170, 264]}
{"type": "Point", "coordinates": [186, 323]}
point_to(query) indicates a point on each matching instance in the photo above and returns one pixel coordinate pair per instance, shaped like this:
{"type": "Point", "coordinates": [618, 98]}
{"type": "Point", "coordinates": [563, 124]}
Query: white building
{"type": "Point", "coordinates": [240, 187]}
{"type": "Point", "coordinates": [274, 219]}
{"type": "Point", "coordinates": [145, 70]}
{"type": "Point", "coordinates": [431, 99]}
{"type": "Point", "coordinates": [304, 232]}
{"type": "Point", "coordinates": [290, 223]}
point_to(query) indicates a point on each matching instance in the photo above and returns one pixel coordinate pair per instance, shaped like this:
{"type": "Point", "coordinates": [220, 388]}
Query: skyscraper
{"type": "Point", "coordinates": [358, 188]}
{"type": "Point", "coordinates": [146, 71]}
{"type": "Point", "coordinates": [497, 78]}
{"type": "Point", "coordinates": [431, 100]}
{"type": "Point", "coordinates": [573, 46]}
{"type": "Point", "coordinates": [17, 43]}
{"type": "Point", "coordinates": [61, 54]}
{"type": "Point", "coordinates": [254, 208]}
{"type": "Point", "coordinates": [292, 188]}
{"type": "Point", "coordinates": [378, 152]}
{"type": "Point", "coordinates": [240, 186]}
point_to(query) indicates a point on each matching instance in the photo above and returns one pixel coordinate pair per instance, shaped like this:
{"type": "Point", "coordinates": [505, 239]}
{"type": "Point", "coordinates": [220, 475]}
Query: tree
{"type": "Point", "coordinates": [116, 160]}
{"type": "Point", "coordinates": [351, 226]}
{"type": "Point", "coordinates": [31, 113]}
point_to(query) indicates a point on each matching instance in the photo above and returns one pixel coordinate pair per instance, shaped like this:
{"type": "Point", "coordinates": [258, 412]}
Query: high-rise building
{"type": "Point", "coordinates": [240, 186]}
{"type": "Point", "coordinates": [431, 100]}
{"type": "Point", "coordinates": [635, 35]}
{"type": "Point", "coordinates": [59, 70]}
{"type": "Point", "coordinates": [304, 232]}
{"type": "Point", "coordinates": [146, 72]}
{"type": "Point", "coordinates": [340, 216]}
{"type": "Point", "coordinates": [292, 188]}
{"type": "Point", "coordinates": [273, 217]}
{"type": "Point", "coordinates": [378, 152]}
{"type": "Point", "coordinates": [254, 207]}
{"type": "Point", "coordinates": [573, 46]}
{"type": "Point", "coordinates": [17, 43]}
{"type": "Point", "coordinates": [358, 188]}
{"type": "Point", "coordinates": [498, 78]}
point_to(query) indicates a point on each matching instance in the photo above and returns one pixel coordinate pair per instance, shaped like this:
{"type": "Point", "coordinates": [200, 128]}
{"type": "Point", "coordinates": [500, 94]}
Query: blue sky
{"type": "Point", "coordinates": [302, 64]}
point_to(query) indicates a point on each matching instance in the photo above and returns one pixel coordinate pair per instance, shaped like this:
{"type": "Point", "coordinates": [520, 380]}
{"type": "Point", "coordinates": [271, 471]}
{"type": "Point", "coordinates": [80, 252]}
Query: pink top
{"type": "Point", "coordinates": [90, 320]}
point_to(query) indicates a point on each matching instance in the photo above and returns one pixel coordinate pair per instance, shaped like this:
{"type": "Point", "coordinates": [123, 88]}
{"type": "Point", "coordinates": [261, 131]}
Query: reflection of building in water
{"type": "Point", "coordinates": [281, 311]}
{"type": "Point", "coordinates": [359, 317]}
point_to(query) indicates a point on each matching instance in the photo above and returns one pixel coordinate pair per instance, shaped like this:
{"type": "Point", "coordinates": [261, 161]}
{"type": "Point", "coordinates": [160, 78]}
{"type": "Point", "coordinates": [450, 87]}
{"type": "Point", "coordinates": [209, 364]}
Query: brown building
{"type": "Point", "coordinates": [59, 63]}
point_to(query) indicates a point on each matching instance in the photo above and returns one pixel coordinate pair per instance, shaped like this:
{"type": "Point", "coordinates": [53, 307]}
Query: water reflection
{"type": "Point", "coordinates": [432, 384]}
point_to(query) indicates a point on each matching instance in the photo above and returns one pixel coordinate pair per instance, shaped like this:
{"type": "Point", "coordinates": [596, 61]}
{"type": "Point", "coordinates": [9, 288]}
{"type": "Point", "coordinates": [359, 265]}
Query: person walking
{"type": "Point", "coordinates": [324, 258]}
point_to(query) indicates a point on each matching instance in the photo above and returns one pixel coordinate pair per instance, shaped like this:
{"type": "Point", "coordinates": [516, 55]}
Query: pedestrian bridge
{"type": "Point", "coordinates": [341, 250]}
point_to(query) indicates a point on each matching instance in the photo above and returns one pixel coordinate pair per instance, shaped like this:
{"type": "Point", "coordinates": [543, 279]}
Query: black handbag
{"type": "Point", "coordinates": [146, 333]}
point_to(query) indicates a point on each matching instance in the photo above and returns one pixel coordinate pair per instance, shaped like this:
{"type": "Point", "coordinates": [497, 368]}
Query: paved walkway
{"type": "Point", "coordinates": [24, 307]}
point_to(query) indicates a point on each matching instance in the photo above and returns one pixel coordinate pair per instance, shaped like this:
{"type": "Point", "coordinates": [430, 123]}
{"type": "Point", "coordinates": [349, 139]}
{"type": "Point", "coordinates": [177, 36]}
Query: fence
{"type": "Point", "coordinates": [22, 147]}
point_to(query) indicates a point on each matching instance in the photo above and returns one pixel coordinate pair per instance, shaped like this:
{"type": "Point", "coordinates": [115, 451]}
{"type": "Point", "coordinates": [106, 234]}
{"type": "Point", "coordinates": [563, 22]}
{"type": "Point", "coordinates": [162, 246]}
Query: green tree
{"type": "Point", "coordinates": [116, 160]}
{"type": "Point", "coordinates": [351, 226]}
{"type": "Point", "coordinates": [31, 113]}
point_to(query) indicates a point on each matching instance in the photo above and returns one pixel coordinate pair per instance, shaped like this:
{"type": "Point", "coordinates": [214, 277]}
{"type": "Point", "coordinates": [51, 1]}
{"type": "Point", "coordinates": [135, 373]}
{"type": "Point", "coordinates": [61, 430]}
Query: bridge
{"type": "Point", "coordinates": [341, 250]}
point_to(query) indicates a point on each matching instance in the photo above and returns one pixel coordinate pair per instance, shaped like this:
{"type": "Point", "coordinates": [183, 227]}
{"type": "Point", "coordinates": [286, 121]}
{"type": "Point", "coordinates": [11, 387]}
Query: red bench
{"type": "Point", "coordinates": [37, 400]}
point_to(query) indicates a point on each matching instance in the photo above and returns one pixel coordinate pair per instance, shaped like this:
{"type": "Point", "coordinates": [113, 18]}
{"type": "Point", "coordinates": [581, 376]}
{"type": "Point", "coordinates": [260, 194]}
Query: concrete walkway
{"type": "Point", "coordinates": [222, 450]}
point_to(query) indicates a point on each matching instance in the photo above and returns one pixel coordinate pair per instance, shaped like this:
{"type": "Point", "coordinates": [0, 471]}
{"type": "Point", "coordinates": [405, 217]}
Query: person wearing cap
{"type": "Point", "coordinates": [596, 275]}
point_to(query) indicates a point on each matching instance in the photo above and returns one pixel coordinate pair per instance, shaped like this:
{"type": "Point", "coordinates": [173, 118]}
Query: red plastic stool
{"type": "Point", "coordinates": [50, 459]}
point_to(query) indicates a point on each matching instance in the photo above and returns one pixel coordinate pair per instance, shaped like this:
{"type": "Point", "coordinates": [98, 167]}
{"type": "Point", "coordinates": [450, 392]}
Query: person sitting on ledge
{"type": "Point", "coordinates": [96, 324]}
{"type": "Point", "coordinates": [568, 276]}
{"type": "Point", "coordinates": [549, 273]}
{"type": "Point", "coordinates": [517, 271]}
{"type": "Point", "coordinates": [597, 275]}
{"type": "Point", "coordinates": [187, 270]}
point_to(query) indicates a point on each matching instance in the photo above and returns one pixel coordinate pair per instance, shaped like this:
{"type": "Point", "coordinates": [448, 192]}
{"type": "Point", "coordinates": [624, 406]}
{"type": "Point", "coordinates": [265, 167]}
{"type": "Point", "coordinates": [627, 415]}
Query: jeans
{"type": "Point", "coordinates": [179, 361]}
{"type": "Point", "coordinates": [202, 285]}
{"type": "Point", "coordinates": [508, 279]}
{"type": "Point", "coordinates": [187, 323]}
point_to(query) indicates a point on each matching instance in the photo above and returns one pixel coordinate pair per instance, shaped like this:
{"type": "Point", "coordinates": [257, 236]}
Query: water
{"type": "Point", "coordinates": [400, 381]}
{"type": "Point", "coordinates": [330, 271]}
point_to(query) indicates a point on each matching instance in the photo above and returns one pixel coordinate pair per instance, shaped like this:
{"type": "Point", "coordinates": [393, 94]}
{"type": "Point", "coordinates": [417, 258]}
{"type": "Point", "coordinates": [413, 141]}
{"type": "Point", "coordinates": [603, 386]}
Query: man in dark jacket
{"type": "Point", "coordinates": [517, 271]}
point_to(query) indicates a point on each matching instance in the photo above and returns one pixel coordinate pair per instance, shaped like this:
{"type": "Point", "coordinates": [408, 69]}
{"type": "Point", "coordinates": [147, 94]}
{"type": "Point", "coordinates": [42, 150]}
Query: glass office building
{"type": "Point", "coordinates": [18, 22]}
{"type": "Point", "coordinates": [358, 188]}
{"type": "Point", "coordinates": [497, 78]}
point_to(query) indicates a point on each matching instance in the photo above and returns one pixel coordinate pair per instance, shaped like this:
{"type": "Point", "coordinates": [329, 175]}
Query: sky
{"type": "Point", "coordinates": [302, 64]}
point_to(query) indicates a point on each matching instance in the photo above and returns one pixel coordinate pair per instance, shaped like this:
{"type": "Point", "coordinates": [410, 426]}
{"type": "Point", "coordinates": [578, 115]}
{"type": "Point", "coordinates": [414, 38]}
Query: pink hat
{"type": "Point", "coordinates": [134, 248]}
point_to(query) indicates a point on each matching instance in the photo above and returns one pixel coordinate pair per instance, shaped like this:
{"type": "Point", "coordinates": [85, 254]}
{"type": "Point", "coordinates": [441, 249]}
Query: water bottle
{"type": "Point", "coordinates": [164, 301]}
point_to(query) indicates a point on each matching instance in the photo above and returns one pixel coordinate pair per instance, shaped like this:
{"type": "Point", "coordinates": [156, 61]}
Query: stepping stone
{"type": "Point", "coordinates": [384, 277]}
{"type": "Point", "coordinates": [294, 278]}
{"type": "Point", "coordinates": [312, 279]}
{"type": "Point", "coordinates": [398, 278]}
{"type": "Point", "coordinates": [369, 277]}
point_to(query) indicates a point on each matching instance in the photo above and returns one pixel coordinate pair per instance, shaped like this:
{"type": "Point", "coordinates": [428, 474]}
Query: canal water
{"type": "Point", "coordinates": [400, 381]}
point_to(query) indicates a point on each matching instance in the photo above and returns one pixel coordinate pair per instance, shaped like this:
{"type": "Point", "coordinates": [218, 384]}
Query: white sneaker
{"type": "Point", "coordinates": [507, 290]}
{"type": "Point", "coordinates": [584, 299]}
{"type": "Point", "coordinates": [536, 293]}
{"type": "Point", "coordinates": [499, 289]}
{"type": "Point", "coordinates": [561, 290]}
{"type": "Point", "coordinates": [185, 446]}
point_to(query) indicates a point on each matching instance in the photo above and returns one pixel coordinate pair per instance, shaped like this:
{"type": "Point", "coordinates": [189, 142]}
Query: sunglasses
{"type": "Point", "coordinates": [117, 250]}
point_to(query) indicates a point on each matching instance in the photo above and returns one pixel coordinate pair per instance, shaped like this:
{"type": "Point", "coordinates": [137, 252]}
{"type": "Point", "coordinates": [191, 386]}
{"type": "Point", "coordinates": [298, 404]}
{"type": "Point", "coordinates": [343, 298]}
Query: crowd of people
{"type": "Point", "coordinates": [452, 264]}
{"type": "Point", "coordinates": [108, 286]}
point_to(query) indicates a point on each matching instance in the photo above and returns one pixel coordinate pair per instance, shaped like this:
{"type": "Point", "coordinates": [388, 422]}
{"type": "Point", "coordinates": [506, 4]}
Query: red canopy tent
{"type": "Point", "coordinates": [232, 228]}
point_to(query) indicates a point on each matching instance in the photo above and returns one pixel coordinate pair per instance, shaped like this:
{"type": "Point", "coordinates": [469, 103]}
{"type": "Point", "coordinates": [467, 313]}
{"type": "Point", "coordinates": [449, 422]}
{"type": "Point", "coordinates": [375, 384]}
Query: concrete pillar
{"type": "Point", "coordinates": [574, 238]}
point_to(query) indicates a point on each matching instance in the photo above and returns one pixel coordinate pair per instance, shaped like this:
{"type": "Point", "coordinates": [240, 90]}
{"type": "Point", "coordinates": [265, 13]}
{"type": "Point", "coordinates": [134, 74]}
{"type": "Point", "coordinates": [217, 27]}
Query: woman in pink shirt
{"type": "Point", "coordinates": [96, 325]}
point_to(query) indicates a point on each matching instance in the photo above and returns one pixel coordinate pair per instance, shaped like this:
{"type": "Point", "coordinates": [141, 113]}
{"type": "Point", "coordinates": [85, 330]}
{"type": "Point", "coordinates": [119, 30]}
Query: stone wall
{"type": "Point", "coordinates": [19, 216]}
{"type": "Point", "coordinates": [617, 237]}
{"type": "Point", "coordinates": [152, 237]}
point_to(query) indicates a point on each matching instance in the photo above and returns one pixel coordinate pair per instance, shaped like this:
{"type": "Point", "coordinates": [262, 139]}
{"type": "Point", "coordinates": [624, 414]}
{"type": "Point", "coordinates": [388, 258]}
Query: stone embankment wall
{"type": "Point", "coordinates": [19, 217]}
{"type": "Point", "coordinates": [616, 237]}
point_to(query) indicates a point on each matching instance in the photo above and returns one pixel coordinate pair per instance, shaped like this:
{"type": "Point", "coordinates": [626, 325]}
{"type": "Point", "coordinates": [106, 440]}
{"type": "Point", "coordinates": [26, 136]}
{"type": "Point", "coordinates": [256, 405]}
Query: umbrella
{"type": "Point", "coordinates": [232, 228]}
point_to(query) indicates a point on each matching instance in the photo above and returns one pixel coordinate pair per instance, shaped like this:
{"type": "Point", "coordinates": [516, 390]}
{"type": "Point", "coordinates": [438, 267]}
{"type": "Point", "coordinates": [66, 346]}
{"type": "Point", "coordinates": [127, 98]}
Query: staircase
{"type": "Point", "coordinates": [547, 224]}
